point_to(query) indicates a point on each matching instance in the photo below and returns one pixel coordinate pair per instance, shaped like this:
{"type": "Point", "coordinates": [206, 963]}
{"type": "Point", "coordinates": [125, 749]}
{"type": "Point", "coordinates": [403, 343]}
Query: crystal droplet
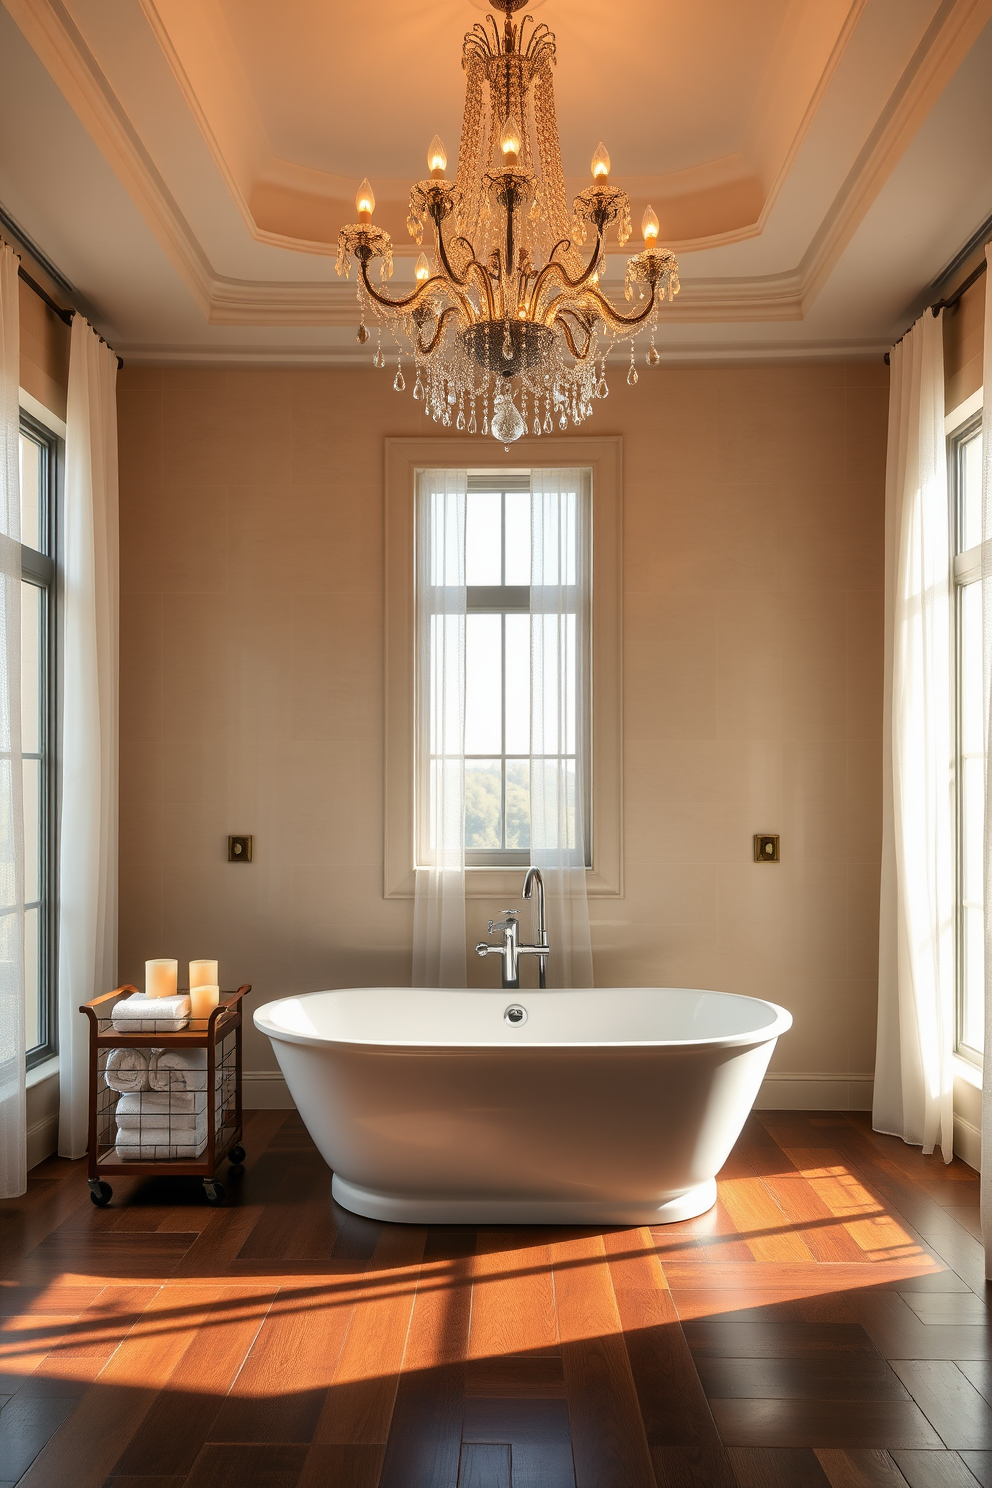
{"type": "Point", "coordinates": [452, 399]}
{"type": "Point", "coordinates": [485, 423]}
{"type": "Point", "coordinates": [549, 427]}
{"type": "Point", "coordinates": [446, 421]}
{"type": "Point", "coordinates": [602, 391]}
{"type": "Point", "coordinates": [418, 389]}
{"type": "Point", "coordinates": [537, 424]}
{"type": "Point", "coordinates": [460, 420]}
{"type": "Point", "coordinates": [563, 421]}
{"type": "Point", "coordinates": [399, 381]}
{"type": "Point", "coordinates": [654, 357]}
{"type": "Point", "coordinates": [631, 375]}
{"type": "Point", "coordinates": [473, 426]}
{"type": "Point", "coordinates": [363, 334]}
{"type": "Point", "coordinates": [507, 424]}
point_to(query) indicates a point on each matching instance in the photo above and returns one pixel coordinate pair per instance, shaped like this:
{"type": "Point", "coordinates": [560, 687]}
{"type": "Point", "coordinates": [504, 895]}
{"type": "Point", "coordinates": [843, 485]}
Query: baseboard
{"type": "Point", "coordinates": [265, 1090]}
{"type": "Point", "coordinates": [814, 1092]}
{"type": "Point", "coordinates": [968, 1143]}
{"type": "Point", "coordinates": [43, 1139]}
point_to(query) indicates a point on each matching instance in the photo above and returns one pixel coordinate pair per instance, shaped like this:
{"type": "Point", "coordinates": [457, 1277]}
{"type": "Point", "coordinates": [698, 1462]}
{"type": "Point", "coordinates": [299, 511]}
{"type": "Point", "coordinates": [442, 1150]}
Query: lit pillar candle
{"type": "Point", "coordinates": [203, 1000]}
{"type": "Point", "coordinates": [203, 974]}
{"type": "Point", "coordinates": [161, 977]}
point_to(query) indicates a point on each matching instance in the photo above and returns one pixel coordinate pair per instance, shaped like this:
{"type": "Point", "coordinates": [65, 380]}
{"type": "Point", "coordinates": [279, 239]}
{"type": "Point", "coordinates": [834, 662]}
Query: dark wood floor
{"type": "Point", "coordinates": [827, 1323]}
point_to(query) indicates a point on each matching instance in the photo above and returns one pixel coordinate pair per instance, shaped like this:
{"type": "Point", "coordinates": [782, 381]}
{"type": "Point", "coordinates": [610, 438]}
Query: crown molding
{"type": "Point", "coordinates": [224, 301]}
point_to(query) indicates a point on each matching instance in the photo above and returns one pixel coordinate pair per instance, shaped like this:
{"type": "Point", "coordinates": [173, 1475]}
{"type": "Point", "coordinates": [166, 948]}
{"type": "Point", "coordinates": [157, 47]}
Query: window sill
{"type": "Point", "coordinates": [43, 1071]}
{"type": "Point", "coordinates": [965, 1070]}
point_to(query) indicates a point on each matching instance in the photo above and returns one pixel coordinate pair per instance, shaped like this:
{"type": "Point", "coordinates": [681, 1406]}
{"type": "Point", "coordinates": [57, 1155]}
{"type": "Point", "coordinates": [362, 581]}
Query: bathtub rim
{"type": "Point", "coordinates": [779, 1024]}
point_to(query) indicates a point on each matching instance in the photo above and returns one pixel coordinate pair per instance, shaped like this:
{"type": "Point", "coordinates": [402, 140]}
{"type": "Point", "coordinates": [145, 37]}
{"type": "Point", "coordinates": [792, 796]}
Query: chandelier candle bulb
{"type": "Point", "coordinates": [203, 974]}
{"type": "Point", "coordinates": [510, 142]}
{"type": "Point", "coordinates": [601, 164]}
{"type": "Point", "coordinates": [422, 269]}
{"type": "Point", "coordinates": [365, 202]}
{"type": "Point", "coordinates": [203, 1000]}
{"type": "Point", "coordinates": [161, 977]}
{"type": "Point", "coordinates": [649, 229]}
{"type": "Point", "coordinates": [437, 159]}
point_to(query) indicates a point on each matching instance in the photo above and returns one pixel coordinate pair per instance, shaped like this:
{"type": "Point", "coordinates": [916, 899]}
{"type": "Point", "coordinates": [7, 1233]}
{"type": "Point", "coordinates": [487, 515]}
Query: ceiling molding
{"type": "Point", "coordinates": [50, 30]}
{"type": "Point", "coordinates": [947, 41]}
{"type": "Point", "coordinates": [224, 301]}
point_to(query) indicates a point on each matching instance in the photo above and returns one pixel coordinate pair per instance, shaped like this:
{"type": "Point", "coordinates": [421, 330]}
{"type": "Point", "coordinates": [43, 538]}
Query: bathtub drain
{"type": "Point", "coordinates": [515, 1015]}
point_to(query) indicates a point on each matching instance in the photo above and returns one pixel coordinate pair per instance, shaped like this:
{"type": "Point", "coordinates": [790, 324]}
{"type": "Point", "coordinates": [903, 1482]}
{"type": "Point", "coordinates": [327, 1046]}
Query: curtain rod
{"type": "Point", "coordinates": [952, 299]}
{"type": "Point", "coordinates": [63, 314]}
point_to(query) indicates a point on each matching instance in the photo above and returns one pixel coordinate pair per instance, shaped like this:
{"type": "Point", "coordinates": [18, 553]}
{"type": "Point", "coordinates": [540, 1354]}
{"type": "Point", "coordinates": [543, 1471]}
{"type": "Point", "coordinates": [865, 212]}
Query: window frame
{"type": "Point", "coordinates": [41, 569]}
{"type": "Point", "coordinates": [966, 569]}
{"type": "Point", "coordinates": [404, 458]}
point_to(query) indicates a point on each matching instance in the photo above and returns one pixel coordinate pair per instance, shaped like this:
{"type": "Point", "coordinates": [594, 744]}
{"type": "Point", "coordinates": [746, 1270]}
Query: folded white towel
{"type": "Point", "coordinates": [159, 1121]}
{"type": "Point", "coordinates": [141, 1014]}
{"type": "Point", "coordinates": [127, 1069]}
{"type": "Point", "coordinates": [178, 1069]}
{"type": "Point", "coordinates": [161, 1103]}
{"type": "Point", "coordinates": [159, 1151]}
{"type": "Point", "coordinates": [129, 1135]}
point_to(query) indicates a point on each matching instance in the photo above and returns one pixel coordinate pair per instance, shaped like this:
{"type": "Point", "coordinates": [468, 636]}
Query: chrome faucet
{"type": "Point", "coordinates": [511, 950]}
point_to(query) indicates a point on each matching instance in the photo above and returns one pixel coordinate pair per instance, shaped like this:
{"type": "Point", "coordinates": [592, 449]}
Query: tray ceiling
{"type": "Point", "coordinates": [223, 140]}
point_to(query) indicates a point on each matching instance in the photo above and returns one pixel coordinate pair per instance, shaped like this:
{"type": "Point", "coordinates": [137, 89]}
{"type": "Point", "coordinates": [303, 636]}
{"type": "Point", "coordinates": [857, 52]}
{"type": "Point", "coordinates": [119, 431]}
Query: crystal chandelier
{"type": "Point", "coordinates": [507, 326]}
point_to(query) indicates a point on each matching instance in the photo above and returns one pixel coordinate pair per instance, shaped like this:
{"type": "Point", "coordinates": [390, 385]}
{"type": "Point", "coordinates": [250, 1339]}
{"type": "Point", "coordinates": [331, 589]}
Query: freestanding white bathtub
{"type": "Point", "coordinates": [610, 1106]}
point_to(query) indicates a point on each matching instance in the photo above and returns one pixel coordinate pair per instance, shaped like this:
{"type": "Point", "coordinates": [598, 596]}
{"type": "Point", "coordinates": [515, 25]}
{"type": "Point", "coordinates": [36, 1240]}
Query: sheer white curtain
{"type": "Point", "coordinates": [13, 1140]}
{"type": "Point", "coordinates": [439, 906]}
{"type": "Point", "coordinates": [88, 834]}
{"type": "Point", "coordinates": [559, 604]}
{"type": "Point", "coordinates": [913, 1071]}
{"type": "Point", "coordinates": [987, 666]}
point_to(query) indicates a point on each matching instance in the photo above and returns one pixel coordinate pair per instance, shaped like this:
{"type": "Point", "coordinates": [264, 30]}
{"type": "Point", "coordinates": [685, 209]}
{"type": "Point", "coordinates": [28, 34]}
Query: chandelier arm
{"type": "Point", "coordinates": [579, 356]}
{"type": "Point", "coordinates": [482, 275]}
{"type": "Point", "coordinates": [554, 267]}
{"type": "Point", "coordinates": [442, 321]}
{"type": "Point", "coordinates": [615, 316]}
{"type": "Point", "coordinates": [437, 280]}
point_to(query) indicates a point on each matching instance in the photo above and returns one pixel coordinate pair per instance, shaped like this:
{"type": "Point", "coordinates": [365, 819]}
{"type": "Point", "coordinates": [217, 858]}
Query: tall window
{"type": "Point", "coordinates": [40, 452]}
{"type": "Point", "coordinates": [507, 648]}
{"type": "Point", "coordinates": [965, 461]}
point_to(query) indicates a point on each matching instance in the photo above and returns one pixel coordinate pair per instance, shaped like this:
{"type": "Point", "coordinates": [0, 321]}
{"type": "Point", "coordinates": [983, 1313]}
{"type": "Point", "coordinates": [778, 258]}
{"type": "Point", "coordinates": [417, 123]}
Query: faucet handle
{"type": "Point", "coordinates": [515, 913]}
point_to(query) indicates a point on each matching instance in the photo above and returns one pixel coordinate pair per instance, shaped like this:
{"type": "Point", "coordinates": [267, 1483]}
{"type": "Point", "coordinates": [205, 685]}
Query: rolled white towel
{"type": "Point", "coordinates": [161, 1102]}
{"type": "Point", "coordinates": [159, 1121]}
{"type": "Point", "coordinates": [127, 1070]}
{"type": "Point", "coordinates": [141, 1014]}
{"type": "Point", "coordinates": [178, 1069]}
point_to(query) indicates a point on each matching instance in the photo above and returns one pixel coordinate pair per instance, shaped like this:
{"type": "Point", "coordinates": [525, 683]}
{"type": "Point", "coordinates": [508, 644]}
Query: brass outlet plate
{"type": "Point", "coordinates": [766, 847]}
{"type": "Point", "coordinates": [239, 849]}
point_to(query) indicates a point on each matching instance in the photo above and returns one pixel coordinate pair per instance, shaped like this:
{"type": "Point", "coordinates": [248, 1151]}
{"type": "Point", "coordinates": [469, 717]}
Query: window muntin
{"type": "Point", "coordinates": [498, 662]}
{"type": "Point", "coordinates": [40, 452]}
{"type": "Point", "coordinates": [965, 470]}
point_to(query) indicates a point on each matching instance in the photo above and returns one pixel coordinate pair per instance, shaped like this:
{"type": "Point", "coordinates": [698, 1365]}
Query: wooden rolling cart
{"type": "Point", "coordinates": [220, 1036]}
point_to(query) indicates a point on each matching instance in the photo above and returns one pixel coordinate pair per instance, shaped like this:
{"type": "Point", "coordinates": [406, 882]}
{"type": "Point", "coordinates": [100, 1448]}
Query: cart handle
{"type": "Point", "coordinates": [222, 1007]}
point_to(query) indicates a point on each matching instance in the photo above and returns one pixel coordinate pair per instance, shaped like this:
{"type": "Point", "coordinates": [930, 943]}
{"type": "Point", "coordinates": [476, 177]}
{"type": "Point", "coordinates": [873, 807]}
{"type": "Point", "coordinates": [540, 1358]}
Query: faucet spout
{"type": "Point", "coordinates": [534, 880]}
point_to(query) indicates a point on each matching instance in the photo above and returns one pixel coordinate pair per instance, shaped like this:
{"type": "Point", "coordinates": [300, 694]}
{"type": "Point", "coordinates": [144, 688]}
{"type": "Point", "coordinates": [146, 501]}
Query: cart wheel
{"type": "Point", "coordinates": [215, 1192]}
{"type": "Point", "coordinates": [237, 1155]}
{"type": "Point", "coordinates": [101, 1193]}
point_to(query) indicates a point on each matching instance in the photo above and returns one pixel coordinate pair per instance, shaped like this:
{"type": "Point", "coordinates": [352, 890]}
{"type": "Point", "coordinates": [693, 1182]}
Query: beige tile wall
{"type": "Point", "coordinates": [251, 539]}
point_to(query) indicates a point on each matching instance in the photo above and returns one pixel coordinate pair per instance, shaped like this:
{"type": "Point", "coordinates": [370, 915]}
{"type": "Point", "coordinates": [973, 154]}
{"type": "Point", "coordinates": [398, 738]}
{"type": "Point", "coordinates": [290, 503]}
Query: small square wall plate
{"type": "Point", "coordinates": [766, 847]}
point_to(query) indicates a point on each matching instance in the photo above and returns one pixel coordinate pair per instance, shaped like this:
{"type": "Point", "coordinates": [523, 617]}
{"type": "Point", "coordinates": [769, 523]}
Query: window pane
{"type": "Point", "coordinates": [518, 803]}
{"type": "Point", "coordinates": [33, 458]}
{"type": "Point", "coordinates": [517, 537]}
{"type": "Point", "coordinates": [33, 1029]}
{"type": "Point", "coordinates": [517, 684]}
{"type": "Point", "coordinates": [483, 676]}
{"type": "Point", "coordinates": [558, 526]}
{"type": "Point", "coordinates": [970, 455]}
{"type": "Point", "coordinates": [971, 806]}
{"type": "Point", "coordinates": [483, 538]}
{"type": "Point", "coordinates": [483, 805]}
{"type": "Point", "coordinates": [32, 600]}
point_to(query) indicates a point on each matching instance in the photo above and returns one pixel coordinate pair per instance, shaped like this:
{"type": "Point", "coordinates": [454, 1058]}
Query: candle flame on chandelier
{"type": "Point", "coordinates": [508, 322]}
